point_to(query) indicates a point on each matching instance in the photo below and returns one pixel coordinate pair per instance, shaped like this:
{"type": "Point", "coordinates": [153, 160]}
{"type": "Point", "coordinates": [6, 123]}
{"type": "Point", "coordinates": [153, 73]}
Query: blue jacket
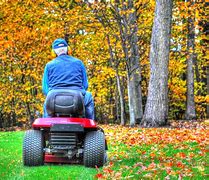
{"type": "Point", "coordinates": [64, 72]}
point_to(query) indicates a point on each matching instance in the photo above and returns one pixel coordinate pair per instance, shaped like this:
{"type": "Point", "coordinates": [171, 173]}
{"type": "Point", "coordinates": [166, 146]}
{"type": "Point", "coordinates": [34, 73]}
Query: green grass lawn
{"type": "Point", "coordinates": [134, 153]}
{"type": "Point", "coordinates": [11, 166]}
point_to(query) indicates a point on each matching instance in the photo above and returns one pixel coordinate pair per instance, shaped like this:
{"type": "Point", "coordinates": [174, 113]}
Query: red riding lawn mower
{"type": "Point", "coordinates": [67, 137]}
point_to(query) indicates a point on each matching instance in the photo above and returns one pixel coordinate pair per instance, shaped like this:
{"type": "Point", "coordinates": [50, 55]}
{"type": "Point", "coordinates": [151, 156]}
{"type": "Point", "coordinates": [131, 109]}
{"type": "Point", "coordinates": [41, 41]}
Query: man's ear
{"type": "Point", "coordinates": [69, 51]}
{"type": "Point", "coordinates": [53, 53]}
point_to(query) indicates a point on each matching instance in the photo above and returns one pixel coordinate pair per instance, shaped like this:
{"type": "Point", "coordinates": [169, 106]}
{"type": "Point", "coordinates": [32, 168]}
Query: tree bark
{"type": "Point", "coordinates": [122, 101]}
{"type": "Point", "coordinates": [190, 104]}
{"type": "Point", "coordinates": [156, 110]}
{"type": "Point", "coordinates": [134, 67]}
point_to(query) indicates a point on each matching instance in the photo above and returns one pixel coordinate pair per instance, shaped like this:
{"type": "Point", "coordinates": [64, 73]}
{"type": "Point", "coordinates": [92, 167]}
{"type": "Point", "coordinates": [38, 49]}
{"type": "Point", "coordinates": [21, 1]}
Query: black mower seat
{"type": "Point", "coordinates": [65, 102]}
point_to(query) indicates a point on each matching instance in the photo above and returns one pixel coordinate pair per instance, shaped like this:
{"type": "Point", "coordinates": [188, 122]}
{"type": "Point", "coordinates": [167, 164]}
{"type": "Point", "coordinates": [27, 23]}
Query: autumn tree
{"type": "Point", "coordinates": [156, 110]}
{"type": "Point", "coordinates": [116, 60]}
{"type": "Point", "coordinates": [24, 37]}
{"type": "Point", "coordinates": [29, 27]}
{"type": "Point", "coordinates": [27, 31]}
{"type": "Point", "coordinates": [204, 23]}
{"type": "Point", "coordinates": [178, 60]}
{"type": "Point", "coordinates": [126, 17]}
{"type": "Point", "coordinates": [190, 105]}
{"type": "Point", "coordinates": [124, 14]}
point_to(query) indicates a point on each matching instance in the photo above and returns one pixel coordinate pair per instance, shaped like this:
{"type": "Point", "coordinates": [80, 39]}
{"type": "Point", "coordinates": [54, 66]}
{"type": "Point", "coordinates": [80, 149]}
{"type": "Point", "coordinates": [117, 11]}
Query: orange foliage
{"type": "Point", "coordinates": [29, 27]}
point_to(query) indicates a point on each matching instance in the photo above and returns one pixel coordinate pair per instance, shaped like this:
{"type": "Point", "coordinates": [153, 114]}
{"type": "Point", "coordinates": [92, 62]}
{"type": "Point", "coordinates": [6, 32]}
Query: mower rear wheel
{"type": "Point", "coordinates": [33, 148]}
{"type": "Point", "coordinates": [94, 149]}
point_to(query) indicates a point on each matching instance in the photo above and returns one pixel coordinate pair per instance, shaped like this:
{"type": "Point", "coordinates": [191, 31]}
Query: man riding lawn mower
{"type": "Point", "coordinates": [67, 133]}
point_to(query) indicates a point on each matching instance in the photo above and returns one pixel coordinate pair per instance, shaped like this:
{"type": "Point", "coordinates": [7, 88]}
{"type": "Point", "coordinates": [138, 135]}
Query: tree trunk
{"type": "Point", "coordinates": [197, 72]}
{"type": "Point", "coordinates": [135, 69]}
{"type": "Point", "coordinates": [30, 115]}
{"type": "Point", "coordinates": [129, 39]}
{"type": "Point", "coordinates": [156, 110]}
{"type": "Point", "coordinates": [122, 101]}
{"type": "Point", "coordinates": [135, 95]}
{"type": "Point", "coordinates": [130, 86]}
{"type": "Point", "coordinates": [117, 104]}
{"type": "Point", "coordinates": [190, 104]}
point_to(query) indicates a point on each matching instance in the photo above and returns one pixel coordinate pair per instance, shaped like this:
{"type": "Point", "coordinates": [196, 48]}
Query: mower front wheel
{"type": "Point", "coordinates": [94, 149]}
{"type": "Point", "coordinates": [33, 148]}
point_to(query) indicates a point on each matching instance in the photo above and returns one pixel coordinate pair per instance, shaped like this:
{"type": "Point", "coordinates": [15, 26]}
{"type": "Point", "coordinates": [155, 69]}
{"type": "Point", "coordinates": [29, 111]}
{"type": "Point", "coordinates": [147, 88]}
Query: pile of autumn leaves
{"type": "Point", "coordinates": [178, 151]}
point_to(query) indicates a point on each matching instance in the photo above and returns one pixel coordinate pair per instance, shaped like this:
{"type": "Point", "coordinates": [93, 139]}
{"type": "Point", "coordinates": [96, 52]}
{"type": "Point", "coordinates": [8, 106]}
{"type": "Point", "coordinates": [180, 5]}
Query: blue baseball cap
{"type": "Point", "coordinates": [58, 43]}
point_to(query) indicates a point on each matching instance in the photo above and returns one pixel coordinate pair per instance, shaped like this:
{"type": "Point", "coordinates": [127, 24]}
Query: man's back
{"type": "Point", "coordinates": [66, 72]}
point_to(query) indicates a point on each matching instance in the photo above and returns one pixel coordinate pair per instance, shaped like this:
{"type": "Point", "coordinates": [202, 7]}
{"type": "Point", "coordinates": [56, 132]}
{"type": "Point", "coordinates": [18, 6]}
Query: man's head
{"type": "Point", "coordinates": [60, 46]}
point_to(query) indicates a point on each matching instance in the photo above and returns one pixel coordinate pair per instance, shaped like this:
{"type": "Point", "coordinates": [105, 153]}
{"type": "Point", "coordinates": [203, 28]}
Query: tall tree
{"type": "Point", "coordinates": [115, 65]}
{"type": "Point", "coordinates": [126, 17]}
{"type": "Point", "coordinates": [156, 110]}
{"type": "Point", "coordinates": [205, 24]}
{"type": "Point", "coordinates": [106, 19]}
{"type": "Point", "coordinates": [123, 16]}
{"type": "Point", "coordinates": [190, 104]}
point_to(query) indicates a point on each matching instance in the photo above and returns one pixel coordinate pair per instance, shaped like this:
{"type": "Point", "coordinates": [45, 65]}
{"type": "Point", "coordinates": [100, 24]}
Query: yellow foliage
{"type": "Point", "coordinates": [29, 27]}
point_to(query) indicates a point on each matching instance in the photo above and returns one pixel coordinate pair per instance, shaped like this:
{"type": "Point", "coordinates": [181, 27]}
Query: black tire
{"type": "Point", "coordinates": [94, 149]}
{"type": "Point", "coordinates": [33, 148]}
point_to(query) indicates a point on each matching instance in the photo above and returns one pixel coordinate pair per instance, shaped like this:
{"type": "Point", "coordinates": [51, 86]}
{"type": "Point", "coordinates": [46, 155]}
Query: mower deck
{"type": "Point", "coordinates": [49, 158]}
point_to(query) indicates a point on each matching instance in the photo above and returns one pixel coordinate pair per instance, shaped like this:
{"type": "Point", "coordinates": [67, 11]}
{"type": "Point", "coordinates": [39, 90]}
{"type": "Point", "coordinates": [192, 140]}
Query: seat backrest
{"type": "Point", "coordinates": [65, 102]}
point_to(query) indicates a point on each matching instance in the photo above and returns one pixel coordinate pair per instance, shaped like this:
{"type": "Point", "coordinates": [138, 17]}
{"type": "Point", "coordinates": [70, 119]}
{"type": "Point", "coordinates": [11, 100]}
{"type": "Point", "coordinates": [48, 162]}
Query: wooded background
{"type": "Point", "coordinates": [113, 39]}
